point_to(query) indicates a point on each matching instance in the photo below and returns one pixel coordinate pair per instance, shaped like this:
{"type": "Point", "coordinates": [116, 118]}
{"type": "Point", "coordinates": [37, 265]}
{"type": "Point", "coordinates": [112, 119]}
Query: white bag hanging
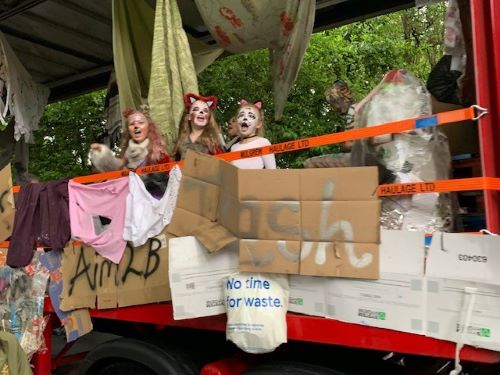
{"type": "Point", "coordinates": [256, 306]}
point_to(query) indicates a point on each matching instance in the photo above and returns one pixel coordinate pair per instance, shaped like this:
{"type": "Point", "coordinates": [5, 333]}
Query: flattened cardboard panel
{"type": "Point", "coordinates": [198, 197]}
{"type": "Point", "coordinates": [228, 211]}
{"type": "Point", "coordinates": [356, 221]}
{"type": "Point", "coordinates": [270, 256]}
{"type": "Point", "coordinates": [6, 203]}
{"type": "Point", "coordinates": [338, 184]}
{"type": "Point", "coordinates": [79, 278]}
{"type": "Point", "coordinates": [261, 184]}
{"type": "Point", "coordinates": [278, 220]}
{"type": "Point", "coordinates": [106, 283]}
{"type": "Point", "coordinates": [214, 236]}
{"type": "Point", "coordinates": [202, 167]}
{"type": "Point", "coordinates": [184, 222]}
{"type": "Point", "coordinates": [143, 273]}
{"type": "Point", "coordinates": [340, 259]}
{"type": "Point", "coordinates": [156, 283]}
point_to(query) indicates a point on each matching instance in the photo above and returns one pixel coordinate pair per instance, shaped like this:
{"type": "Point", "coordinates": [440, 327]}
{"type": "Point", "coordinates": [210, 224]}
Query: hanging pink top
{"type": "Point", "coordinates": [97, 215]}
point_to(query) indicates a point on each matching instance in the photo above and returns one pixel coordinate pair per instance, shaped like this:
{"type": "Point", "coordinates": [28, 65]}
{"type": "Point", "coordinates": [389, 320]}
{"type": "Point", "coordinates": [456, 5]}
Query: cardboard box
{"type": "Point", "coordinates": [270, 256]}
{"type": "Point", "coordinates": [446, 302]}
{"type": "Point", "coordinates": [395, 301]}
{"type": "Point", "coordinates": [6, 203]}
{"type": "Point", "coordinates": [196, 277]}
{"type": "Point", "coordinates": [307, 295]}
{"type": "Point", "coordinates": [458, 264]}
{"type": "Point", "coordinates": [465, 257]}
{"type": "Point", "coordinates": [280, 209]}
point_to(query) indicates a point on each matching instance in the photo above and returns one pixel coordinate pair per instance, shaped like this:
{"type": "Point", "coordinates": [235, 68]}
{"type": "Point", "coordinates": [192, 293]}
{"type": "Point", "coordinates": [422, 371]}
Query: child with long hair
{"type": "Point", "coordinates": [198, 129]}
{"type": "Point", "coordinates": [142, 145]}
{"type": "Point", "coordinates": [250, 120]}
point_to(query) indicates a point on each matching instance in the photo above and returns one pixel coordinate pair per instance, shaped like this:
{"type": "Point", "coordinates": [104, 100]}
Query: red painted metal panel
{"type": "Point", "coordinates": [312, 329]}
{"type": "Point", "coordinates": [486, 39]}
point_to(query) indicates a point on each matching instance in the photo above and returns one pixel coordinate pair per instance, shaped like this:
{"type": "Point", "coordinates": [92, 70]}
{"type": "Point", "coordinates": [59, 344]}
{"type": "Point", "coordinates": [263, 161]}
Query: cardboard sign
{"type": "Point", "coordinates": [313, 222]}
{"type": "Point", "coordinates": [465, 257]}
{"type": "Point", "coordinates": [90, 280]}
{"type": "Point", "coordinates": [6, 203]}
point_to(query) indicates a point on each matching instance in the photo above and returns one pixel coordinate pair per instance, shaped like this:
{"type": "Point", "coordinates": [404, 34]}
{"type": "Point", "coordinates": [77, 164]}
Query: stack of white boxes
{"type": "Point", "coordinates": [419, 292]}
{"type": "Point", "coordinates": [456, 262]}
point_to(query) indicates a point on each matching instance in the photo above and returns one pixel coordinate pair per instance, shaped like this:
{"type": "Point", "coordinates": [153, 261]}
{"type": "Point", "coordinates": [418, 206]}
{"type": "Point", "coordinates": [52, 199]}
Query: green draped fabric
{"type": "Point", "coordinates": [132, 40]}
{"type": "Point", "coordinates": [172, 69]}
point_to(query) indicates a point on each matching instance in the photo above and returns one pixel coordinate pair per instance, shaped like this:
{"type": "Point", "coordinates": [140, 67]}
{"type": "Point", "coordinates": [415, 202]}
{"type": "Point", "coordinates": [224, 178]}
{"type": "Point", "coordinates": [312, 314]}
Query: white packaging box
{"type": "Point", "coordinates": [395, 301]}
{"type": "Point", "coordinates": [307, 295]}
{"type": "Point", "coordinates": [465, 257]}
{"type": "Point", "coordinates": [456, 262]}
{"type": "Point", "coordinates": [445, 301]}
{"type": "Point", "coordinates": [196, 277]}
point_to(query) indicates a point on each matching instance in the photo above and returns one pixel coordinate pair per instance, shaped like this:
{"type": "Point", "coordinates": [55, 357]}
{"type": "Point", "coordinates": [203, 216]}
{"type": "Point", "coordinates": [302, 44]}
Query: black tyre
{"type": "Point", "coordinates": [291, 368]}
{"type": "Point", "coordinates": [126, 356]}
{"type": "Point", "coordinates": [124, 368]}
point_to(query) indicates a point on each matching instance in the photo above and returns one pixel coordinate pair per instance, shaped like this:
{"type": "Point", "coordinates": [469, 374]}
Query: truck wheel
{"type": "Point", "coordinates": [291, 368]}
{"type": "Point", "coordinates": [124, 368]}
{"type": "Point", "coordinates": [126, 356]}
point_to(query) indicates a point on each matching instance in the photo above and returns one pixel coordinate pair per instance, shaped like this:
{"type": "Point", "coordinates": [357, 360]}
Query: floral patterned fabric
{"type": "Point", "coordinates": [284, 27]}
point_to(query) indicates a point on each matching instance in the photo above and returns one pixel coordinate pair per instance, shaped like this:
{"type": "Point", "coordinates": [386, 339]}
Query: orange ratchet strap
{"type": "Point", "coordinates": [350, 135]}
{"type": "Point", "coordinates": [440, 186]}
{"type": "Point", "coordinates": [328, 139]}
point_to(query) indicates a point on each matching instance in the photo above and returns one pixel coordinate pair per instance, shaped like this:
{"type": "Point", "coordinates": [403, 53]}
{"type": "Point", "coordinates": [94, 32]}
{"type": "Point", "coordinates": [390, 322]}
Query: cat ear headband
{"type": "Point", "coordinates": [257, 104]}
{"type": "Point", "coordinates": [211, 101]}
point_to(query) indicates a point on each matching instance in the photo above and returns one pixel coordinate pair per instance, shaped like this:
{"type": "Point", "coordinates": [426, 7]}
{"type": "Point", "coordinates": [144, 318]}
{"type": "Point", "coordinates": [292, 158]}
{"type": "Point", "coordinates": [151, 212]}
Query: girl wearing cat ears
{"type": "Point", "coordinates": [250, 119]}
{"type": "Point", "coordinates": [142, 144]}
{"type": "Point", "coordinates": [198, 129]}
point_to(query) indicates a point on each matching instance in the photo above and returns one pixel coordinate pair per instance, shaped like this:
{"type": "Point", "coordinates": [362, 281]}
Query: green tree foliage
{"type": "Point", "coordinates": [359, 53]}
{"type": "Point", "coordinates": [63, 139]}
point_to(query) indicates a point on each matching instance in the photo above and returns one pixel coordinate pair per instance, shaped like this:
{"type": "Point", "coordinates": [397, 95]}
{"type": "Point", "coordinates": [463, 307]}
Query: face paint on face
{"type": "Point", "coordinates": [199, 113]}
{"type": "Point", "coordinates": [138, 127]}
{"type": "Point", "coordinates": [248, 121]}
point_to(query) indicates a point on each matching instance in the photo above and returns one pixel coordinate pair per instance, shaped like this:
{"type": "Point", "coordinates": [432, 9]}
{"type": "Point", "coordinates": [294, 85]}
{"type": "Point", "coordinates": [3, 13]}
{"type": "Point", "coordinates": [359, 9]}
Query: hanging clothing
{"type": "Point", "coordinates": [284, 27]}
{"type": "Point", "coordinates": [13, 360]}
{"type": "Point", "coordinates": [132, 38]}
{"type": "Point", "coordinates": [97, 214]}
{"type": "Point", "coordinates": [172, 69]}
{"type": "Point", "coordinates": [146, 216]}
{"type": "Point", "coordinates": [41, 216]}
{"type": "Point", "coordinates": [6, 203]}
{"type": "Point", "coordinates": [258, 162]}
{"type": "Point", "coordinates": [25, 98]}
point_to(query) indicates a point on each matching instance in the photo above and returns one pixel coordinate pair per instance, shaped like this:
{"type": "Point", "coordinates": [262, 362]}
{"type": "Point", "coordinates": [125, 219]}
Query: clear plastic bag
{"type": "Point", "coordinates": [413, 156]}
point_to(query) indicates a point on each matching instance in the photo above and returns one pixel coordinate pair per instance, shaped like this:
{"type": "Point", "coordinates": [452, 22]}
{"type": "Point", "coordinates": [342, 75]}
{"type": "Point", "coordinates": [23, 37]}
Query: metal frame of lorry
{"type": "Point", "coordinates": [486, 41]}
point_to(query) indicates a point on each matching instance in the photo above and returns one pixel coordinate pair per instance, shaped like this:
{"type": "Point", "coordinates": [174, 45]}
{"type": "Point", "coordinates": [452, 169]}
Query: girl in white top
{"type": "Point", "coordinates": [250, 120]}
